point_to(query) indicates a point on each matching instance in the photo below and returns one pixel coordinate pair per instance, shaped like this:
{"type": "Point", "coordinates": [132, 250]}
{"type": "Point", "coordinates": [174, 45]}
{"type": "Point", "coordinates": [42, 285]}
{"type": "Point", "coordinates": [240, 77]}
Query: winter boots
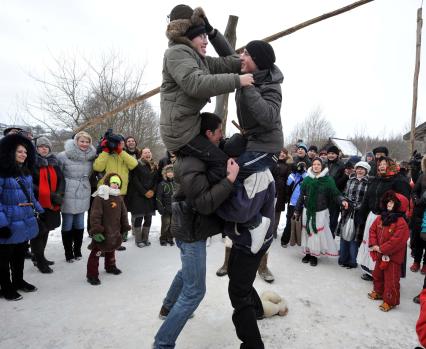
{"type": "Point", "coordinates": [77, 237]}
{"type": "Point", "coordinates": [67, 242]}
{"type": "Point", "coordinates": [223, 270]}
{"type": "Point", "coordinates": [141, 236]}
{"type": "Point", "coordinates": [263, 270]}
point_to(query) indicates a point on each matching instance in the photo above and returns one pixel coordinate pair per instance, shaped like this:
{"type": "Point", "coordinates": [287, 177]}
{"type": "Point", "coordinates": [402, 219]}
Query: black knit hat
{"type": "Point", "coordinates": [194, 31]}
{"type": "Point", "coordinates": [314, 148]}
{"type": "Point", "coordinates": [181, 12]}
{"type": "Point", "coordinates": [262, 53]}
{"type": "Point", "coordinates": [333, 149]}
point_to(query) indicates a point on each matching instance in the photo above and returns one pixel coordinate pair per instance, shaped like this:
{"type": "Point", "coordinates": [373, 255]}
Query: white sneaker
{"type": "Point", "coordinates": [258, 234]}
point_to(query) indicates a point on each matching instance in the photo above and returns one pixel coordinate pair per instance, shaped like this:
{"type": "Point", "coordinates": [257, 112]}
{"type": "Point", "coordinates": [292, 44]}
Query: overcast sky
{"type": "Point", "coordinates": [357, 67]}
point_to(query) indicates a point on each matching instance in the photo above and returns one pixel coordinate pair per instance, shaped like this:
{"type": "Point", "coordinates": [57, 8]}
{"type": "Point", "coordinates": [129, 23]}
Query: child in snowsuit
{"type": "Point", "coordinates": [108, 218]}
{"type": "Point", "coordinates": [388, 243]}
{"type": "Point", "coordinates": [164, 204]}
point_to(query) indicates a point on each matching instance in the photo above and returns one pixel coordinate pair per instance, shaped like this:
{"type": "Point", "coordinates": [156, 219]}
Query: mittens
{"type": "Point", "coordinates": [5, 232]}
{"type": "Point", "coordinates": [98, 237]}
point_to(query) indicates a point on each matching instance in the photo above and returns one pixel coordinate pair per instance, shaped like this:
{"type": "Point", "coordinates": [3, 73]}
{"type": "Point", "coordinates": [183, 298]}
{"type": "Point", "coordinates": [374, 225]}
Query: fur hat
{"type": "Point", "coordinates": [364, 165]}
{"type": "Point", "coordinates": [235, 146]}
{"type": "Point", "coordinates": [381, 150]}
{"type": "Point", "coordinates": [8, 165]}
{"type": "Point", "coordinates": [333, 149]}
{"type": "Point", "coordinates": [43, 141]}
{"type": "Point", "coordinates": [262, 54]}
{"type": "Point", "coordinates": [182, 23]}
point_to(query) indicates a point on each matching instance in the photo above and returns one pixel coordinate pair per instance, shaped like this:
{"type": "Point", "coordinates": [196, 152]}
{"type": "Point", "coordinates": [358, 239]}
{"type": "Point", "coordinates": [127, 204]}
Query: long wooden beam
{"type": "Point", "coordinates": [101, 118]}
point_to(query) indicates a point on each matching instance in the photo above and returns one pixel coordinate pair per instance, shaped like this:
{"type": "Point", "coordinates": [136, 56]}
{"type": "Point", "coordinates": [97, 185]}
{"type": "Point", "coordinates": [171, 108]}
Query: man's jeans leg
{"type": "Point", "coordinates": [186, 292]}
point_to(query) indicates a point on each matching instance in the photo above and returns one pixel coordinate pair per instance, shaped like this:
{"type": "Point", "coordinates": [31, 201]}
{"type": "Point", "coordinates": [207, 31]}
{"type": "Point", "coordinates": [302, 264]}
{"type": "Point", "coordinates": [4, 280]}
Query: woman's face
{"type": "Point", "coordinates": [146, 154]}
{"type": "Point", "coordinates": [20, 154]}
{"type": "Point", "coordinates": [43, 150]}
{"type": "Point", "coordinates": [83, 143]}
{"type": "Point", "coordinates": [316, 166]}
{"type": "Point", "coordinates": [131, 143]}
{"type": "Point", "coordinates": [360, 171]}
{"type": "Point", "coordinates": [383, 166]}
{"type": "Point", "coordinates": [283, 155]}
{"type": "Point", "coordinates": [390, 205]}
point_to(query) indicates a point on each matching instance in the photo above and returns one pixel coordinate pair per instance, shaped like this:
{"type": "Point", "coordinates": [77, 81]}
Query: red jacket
{"type": "Point", "coordinates": [421, 322]}
{"type": "Point", "coordinates": [391, 239]}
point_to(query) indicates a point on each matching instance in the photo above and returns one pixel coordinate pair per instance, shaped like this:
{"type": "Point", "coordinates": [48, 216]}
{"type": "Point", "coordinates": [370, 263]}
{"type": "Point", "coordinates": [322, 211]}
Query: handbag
{"type": "Point", "coordinates": [28, 196]}
{"type": "Point", "coordinates": [347, 229]}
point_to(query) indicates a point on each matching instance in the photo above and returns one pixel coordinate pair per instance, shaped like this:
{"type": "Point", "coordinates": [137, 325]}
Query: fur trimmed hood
{"type": "Point", "coordinates": [177, 29]}
{"type": "Point", "coordinates": [8, 165]}
{"type": "Point", "coordinates": [165, 170]}
{"type": "Point", "coordinates": [73, 152]}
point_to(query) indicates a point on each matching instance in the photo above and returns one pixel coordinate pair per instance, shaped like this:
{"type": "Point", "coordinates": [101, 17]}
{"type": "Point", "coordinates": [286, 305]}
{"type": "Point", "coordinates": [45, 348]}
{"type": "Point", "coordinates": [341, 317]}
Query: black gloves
{"type": "Point", "coordinates": [56, 198]}
{"type": "Point", "coordinates": [208, 26]}
{"type": "Point", "coordinates": [211, 32]}
{"type": "Point", "coordinates": [5, 232]}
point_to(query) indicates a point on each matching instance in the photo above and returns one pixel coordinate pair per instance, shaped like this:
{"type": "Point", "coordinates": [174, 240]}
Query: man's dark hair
{"type": "Point", "coordinates": [209, 121]}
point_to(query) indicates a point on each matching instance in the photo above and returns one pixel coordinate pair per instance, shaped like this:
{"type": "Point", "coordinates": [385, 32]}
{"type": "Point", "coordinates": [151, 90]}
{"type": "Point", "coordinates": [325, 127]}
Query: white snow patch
{"type": "Point", "coordinates": [328, 305]}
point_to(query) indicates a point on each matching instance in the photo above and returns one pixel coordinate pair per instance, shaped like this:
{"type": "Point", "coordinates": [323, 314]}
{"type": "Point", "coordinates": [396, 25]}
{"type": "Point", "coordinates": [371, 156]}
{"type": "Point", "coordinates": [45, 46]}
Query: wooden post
{"type": "Point", "coordinates": [416, 77]}
{"type": "Point", "coordinates": [221, 108]}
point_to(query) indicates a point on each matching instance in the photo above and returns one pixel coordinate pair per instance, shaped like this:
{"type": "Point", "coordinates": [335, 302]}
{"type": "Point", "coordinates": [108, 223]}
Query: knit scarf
{"type": "Point", "coordinates": [311, 187]}
{"type": "Point", "coordinates": [47, 185]}
{"type": "Point", "coordinates": [389, 217]}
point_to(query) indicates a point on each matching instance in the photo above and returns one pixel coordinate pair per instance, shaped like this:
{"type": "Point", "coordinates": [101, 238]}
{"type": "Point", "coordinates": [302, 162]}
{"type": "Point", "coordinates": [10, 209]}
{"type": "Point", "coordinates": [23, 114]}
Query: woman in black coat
{"type": "Point", "coordinates": [281, 171]}
{"type": "Point", "coordinates": [49, 187]}
{"type": "Point", "coordinates": [140, 199]}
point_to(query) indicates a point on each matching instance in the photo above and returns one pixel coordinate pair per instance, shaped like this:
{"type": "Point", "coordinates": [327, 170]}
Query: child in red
{"type": "Point", "coordinates": [388, 243]}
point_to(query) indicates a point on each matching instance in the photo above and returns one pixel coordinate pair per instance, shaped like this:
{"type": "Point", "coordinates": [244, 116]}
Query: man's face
{"type": "Point", "coordinates": [43, 150]}
{"type": "Point", "coordinates": [200, 44]}
{"type": "Point", "coordinates": [216, 136]}
{"type": "Point", "coordinates": [247, 63]}
{"type": "Point", "coordinates": [312, 154]}
{"type": "Point", "coordinates": [301, 152]}
{"type": "Point", "coordinates": [131, 143]}
{"type": "Point", "coordinates": [331, 156]}
{"type": "Point", "coordinates": [380, 155]}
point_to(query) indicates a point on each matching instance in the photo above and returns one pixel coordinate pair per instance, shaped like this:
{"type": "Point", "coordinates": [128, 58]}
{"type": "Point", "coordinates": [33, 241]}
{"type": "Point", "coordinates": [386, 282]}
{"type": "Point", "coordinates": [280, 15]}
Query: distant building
{"type": "Point", "coordinates": [347, 147]}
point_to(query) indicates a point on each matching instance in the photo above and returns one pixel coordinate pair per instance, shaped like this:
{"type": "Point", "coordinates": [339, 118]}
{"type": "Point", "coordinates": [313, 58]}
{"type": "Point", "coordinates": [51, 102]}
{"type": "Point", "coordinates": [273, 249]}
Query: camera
{"type": "Point", "coordinates": [301, 167]}
{"type": "Point", "coordinates": [113, 140]}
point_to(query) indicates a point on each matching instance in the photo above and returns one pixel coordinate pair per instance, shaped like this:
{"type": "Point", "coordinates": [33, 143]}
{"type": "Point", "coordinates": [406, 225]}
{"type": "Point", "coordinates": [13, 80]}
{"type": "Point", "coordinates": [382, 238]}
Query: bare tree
{"type": "Point", "coordinates": [314, 129]}
{"type": "Point", "coordinates": [76, 90]}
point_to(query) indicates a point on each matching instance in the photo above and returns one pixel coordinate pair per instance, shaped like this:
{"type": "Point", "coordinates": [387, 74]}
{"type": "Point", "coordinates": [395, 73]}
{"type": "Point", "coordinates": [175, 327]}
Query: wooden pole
{"type": "Point", "coordinates": [221, 108]}
{"type": "Point", "coordinates": [416, 78]}
{"type": "Point", "coordinates": [131, 103]}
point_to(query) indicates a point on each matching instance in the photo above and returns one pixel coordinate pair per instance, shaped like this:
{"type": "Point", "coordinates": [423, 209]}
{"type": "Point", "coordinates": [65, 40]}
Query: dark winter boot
{"type": "Point", "coordinates": [77, 237]}
{"type": "Point", "coordinates": [24, 286]}
{"type": "Point", "coordinates": [93, 280]}
{"type": "Point", "coordinates": [137, 231]}
{"type": "Point", "coordinates": [263, 270]}
{"type": "Point", "coordinates": [223, 270]}
{"type": "Point", "coordinates": [67, 242]}
{"type": "Point", "coordinates": [113, 270]}
{"type": "Point", "coordinates": [145, 235]}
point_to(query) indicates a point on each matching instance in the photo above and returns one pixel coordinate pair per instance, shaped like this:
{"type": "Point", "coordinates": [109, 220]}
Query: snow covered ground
{"type": "Point", "coordinates": [328, 305]}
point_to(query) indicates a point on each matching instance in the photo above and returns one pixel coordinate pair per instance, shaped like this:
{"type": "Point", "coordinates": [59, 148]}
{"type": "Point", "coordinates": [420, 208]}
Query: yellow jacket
{"type": "Point", "coordinates": [114, 163]}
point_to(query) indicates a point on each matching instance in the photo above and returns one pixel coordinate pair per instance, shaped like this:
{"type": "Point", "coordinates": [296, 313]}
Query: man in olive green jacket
{"type": "Point", "coordinates": [190, 78]}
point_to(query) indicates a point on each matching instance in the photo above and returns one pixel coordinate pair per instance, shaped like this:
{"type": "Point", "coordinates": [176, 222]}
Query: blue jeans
{"type": "Point", "coordinates": [185, 293]}
{"type": "Point", "coordinates": [70, 221]}
{"type": "Point", "coordinates": [252, 161]}
{"type": "Point", "coordinates": [348, 252]}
